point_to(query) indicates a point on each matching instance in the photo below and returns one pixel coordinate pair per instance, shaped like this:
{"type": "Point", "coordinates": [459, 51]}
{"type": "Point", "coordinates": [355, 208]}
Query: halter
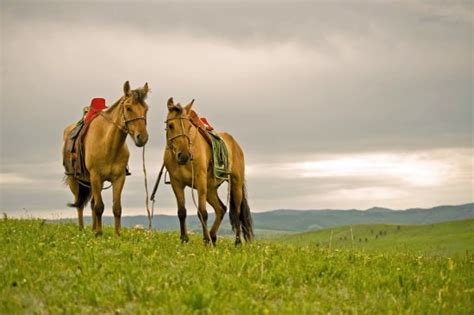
{"type": "Point", "coordinates": [169, 142]}
{"type": "Point", "coordinates": [124, 129]}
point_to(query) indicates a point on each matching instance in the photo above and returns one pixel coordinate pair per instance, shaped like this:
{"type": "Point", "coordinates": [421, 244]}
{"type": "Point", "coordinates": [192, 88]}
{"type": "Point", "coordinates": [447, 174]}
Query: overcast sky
{"type": "Point", "coordinates": [338, 105]}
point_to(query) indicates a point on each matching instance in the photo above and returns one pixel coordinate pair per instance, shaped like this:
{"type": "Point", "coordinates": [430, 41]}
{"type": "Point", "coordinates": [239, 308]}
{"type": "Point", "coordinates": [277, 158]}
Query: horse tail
{"type": "Point", "coordinates": [245, 217]}
{"type": "Point", "coordinates": [83, 194]}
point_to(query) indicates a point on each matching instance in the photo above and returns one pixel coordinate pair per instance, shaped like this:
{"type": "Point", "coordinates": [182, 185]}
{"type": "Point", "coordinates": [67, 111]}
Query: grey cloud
{"type": "Point", "coordinates": [288, 80]}
{"type": "Point", "coordinates": [253, 22]}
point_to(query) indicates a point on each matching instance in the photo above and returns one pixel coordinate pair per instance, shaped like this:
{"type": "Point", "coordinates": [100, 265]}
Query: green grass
{"type": "Point", "coordinates": [449, 238]}
{"type": "Point", "coordinates": [54, 268]}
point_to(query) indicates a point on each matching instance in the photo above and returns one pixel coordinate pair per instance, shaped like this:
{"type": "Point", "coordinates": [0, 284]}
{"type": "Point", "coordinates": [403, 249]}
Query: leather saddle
{"type": "Point", "coordinates": [219, 149]}
{"type": "Point", "coordinates": [73, 155]}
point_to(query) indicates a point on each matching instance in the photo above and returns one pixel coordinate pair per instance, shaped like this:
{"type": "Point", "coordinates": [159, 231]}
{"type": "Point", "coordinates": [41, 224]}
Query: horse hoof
{"type": "Point", "coordinates": [184, 238]}
{"type": "Point", "coordinates": [214, 240]}
{"type": "Point", "coordinates": [99, 233]}
{"type": "Point", "coordinates": [238, 242]}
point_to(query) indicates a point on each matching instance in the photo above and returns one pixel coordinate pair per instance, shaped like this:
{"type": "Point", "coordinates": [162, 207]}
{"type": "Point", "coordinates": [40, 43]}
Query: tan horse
{"type": "Point", "coordinates": [187, 154]}
{"type": "Point", "coordinates": [106, 154]}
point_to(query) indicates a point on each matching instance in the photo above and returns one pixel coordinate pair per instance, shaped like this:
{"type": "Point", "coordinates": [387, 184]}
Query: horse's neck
{"type": "Point", "coordinates": [200, 144]}
{"type": "Point", "coordinates": [115, 137]}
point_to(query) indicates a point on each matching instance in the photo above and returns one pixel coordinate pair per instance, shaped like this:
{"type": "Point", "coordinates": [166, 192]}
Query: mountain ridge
{"type": "Point", "coordinates": [294, 221]}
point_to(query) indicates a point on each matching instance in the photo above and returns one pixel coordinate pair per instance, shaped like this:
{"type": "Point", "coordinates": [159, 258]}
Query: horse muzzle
{"type": "Point", "coordinates": [183, 158]}
{"type": "Point", "coordinates": [140, 139]}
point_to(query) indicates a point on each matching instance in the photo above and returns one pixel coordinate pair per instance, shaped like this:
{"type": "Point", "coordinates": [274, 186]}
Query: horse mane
{"type": "Point", "coordinates": [138, 95]}
{"type": "Point", "coordinates": [114, 105]}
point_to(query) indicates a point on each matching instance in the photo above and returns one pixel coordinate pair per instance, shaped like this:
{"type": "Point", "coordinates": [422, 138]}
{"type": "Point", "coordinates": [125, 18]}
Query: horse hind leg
{"type": "Point", "coordinates": [94, 218]}
{"type": "Point", "coordinates": [81, 197]}
{"type": "Point", "coordinates": [220, 210]}
{"type": "Point", "coordinates": [98, 207]}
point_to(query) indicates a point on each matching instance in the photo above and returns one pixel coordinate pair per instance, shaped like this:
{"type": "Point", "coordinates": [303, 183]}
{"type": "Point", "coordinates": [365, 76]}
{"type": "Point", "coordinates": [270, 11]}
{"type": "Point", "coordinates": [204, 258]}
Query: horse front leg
{"type": "Point", "coordinates": [202, 212]}
{"type": "Point", "coordinates": [180, 200]}
{"type": "Point", "coordinates": [220, 210]}
{"type": "Point", "coordinates": [117, 186]}
{"type": "Point", "coordinates": [98, 207]}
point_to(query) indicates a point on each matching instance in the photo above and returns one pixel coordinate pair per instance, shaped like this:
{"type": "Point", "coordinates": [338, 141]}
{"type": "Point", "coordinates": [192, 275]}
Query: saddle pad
{"type": "Point", "coordinates": [219, 156]}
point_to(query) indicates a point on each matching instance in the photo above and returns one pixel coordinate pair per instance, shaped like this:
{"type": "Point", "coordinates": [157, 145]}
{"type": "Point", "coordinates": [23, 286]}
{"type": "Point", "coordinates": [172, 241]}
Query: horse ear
{"type": "Point", "coordinates": [126, 88]}
{"type": "Point", "coordinates": [189, 106]}
{"type": "Point", "coordinates": [170, 103]}
{"type": "Point", "coordinates": [145, 88]}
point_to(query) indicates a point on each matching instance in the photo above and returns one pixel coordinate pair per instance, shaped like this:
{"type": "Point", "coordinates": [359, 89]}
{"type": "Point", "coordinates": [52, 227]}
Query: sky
{"type": "Point", "coordinates": [336, 104]}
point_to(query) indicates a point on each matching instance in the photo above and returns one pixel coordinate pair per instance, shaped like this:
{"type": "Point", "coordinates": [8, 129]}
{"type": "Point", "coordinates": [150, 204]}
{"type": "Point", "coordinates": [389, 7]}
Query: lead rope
{"type": "Point", "coordinates": [150, 215]}
{"type": "Point", "coordinates": [155, 189]}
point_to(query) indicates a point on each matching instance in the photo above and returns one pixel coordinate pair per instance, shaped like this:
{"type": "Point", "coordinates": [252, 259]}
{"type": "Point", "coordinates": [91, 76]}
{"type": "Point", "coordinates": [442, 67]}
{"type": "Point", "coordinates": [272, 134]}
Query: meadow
{"type": "Point", "coordinates": [447, 238]}
{"type": "Point", "coordinates": [55, 268]}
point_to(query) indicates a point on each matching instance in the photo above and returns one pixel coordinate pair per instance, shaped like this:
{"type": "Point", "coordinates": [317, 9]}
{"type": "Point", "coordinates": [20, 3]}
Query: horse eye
{"type": "Point", "coordinates": [171, 126]}
{"type": "Point", "coordinates": [129, 109]}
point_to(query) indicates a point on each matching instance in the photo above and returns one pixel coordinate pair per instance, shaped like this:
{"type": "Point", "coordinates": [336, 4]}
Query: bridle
{"type": "Point", "coordinates": [169, 140]}
{"type": "Point", "coordinates": [125, 121]}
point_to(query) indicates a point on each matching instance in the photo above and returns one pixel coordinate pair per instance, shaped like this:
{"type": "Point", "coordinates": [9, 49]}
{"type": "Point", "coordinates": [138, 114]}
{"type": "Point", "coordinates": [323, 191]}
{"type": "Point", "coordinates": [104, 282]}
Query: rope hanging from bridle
{"type": "Point", "coordinates": [152, 198]}
{"type": "Point", "coordinates": [150, 215]}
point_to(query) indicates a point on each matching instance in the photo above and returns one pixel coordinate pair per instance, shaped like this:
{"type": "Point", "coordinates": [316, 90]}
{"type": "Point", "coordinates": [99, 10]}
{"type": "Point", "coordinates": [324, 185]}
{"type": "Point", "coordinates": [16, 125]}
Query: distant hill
{"type": "Point", "coordinates": [447, 238]}
{"type": "Point", "coordinates": [294, 221]}
{"type": "Point", "coordinates": [305, 220]}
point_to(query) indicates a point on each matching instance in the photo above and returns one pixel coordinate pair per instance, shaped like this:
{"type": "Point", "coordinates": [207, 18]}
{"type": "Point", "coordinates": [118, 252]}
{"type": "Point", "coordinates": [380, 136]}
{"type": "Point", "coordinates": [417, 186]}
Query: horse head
{"type": "Point", "coordinates": [178, 131]}
{"type": "Point", "coordinates": [134, 110]}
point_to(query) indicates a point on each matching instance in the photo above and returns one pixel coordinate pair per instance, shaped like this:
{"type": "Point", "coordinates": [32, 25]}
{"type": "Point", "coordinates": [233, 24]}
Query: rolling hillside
{"type": "Point", "coordinates": [448, 238]}
{"type": "Point", "coordinates": [294, 221]}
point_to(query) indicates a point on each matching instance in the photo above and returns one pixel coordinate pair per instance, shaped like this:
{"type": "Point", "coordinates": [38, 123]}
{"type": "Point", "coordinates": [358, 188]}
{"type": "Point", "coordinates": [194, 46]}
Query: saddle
{"type": "Point", "coordinates": [219, 149]}
{"type": "Point", "coordinates": [74, 155]}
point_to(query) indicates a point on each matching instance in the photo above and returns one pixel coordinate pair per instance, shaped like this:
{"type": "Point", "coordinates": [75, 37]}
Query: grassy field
{"type": "Point", "coordinates": [448, 239]}
{"type": "Point", "coordinates": [54, 268]}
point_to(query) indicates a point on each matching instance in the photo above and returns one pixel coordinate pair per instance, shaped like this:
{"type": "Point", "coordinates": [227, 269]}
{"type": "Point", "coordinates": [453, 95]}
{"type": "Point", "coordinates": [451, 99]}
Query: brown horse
{"type": "Point", "coordinates": [106, 154]}
{"type": "Point", "coordinates": [188, 159]}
